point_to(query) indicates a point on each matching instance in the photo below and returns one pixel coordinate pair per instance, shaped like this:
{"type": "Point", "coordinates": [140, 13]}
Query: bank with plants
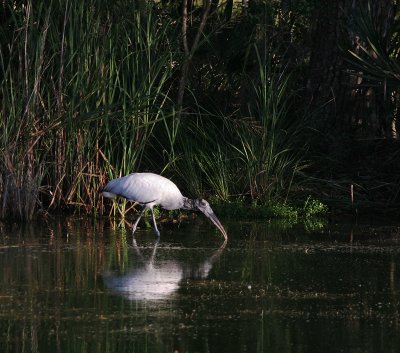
{"type": "Point", "coordinates": [224, 99]}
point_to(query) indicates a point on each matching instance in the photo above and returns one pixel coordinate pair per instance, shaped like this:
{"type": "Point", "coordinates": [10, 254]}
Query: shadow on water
{"type": "Point", "coordinates": [81, 285]}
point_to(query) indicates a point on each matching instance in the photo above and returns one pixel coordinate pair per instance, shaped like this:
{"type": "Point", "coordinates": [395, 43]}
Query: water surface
{"type": "Point", "coordinates": [79, 285]}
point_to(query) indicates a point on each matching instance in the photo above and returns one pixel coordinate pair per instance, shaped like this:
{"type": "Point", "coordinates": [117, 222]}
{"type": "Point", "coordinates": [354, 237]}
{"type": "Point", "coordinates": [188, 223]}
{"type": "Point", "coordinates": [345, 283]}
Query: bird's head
{"type": "Point", "coordinates": [203, 206]}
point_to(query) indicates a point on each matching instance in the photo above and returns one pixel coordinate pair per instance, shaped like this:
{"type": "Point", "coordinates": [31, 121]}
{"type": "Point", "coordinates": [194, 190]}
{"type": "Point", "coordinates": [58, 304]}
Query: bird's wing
{"type": "Point", "coordinates": [135, 187]}
{"type": "Point", "coordinates": [146, 188]}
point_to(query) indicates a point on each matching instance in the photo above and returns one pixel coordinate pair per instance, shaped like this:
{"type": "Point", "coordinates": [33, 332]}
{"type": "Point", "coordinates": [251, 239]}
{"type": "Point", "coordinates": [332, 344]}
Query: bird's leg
{"type": "Point", "coordinates": [137, 221]}
{"type": "Point", "coordinates": [153, 254]}
{"type": "Point", "coordinates": [154, 221]}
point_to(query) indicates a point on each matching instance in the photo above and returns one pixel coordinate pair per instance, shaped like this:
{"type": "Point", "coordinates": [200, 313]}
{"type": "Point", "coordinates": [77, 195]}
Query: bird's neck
{"type": "Point", "coordinates": [189, 204]}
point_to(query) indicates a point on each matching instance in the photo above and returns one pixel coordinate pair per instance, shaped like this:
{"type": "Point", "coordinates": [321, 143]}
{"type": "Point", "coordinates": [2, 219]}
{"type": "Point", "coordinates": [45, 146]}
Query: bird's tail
{"type": "Point", "coordinates": [109, 195]}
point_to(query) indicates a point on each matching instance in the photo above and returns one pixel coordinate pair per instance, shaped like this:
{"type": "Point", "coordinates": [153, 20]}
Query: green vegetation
{"type": "Point", "coordinates": [312, 213]}
{"type": "Point", "coordinates": [233, 106]}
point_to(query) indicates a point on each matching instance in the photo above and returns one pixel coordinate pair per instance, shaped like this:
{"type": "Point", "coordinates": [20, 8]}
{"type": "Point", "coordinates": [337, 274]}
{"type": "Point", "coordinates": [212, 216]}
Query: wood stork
{"type": "Point", "coordinates": [150, 189]}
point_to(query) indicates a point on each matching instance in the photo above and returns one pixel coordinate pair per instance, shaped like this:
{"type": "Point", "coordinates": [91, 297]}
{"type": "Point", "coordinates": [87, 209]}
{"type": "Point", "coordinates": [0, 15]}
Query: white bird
{"type": "Point", "coordinates": [150, 189]}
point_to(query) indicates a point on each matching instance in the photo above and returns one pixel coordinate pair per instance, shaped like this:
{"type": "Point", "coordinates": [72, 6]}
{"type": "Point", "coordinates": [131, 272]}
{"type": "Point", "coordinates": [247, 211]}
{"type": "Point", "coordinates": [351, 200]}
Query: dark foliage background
{"type": "Point", "coordinates": [256, 101]}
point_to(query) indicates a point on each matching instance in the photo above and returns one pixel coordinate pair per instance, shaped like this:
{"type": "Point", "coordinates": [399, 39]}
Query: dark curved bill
{"type": "Point", "coordinates": [218, 224]}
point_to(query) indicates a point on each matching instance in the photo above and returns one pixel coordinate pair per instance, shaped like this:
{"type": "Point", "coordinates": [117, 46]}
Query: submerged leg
{"type": "Point", "coordinates": [154, 221]}
{"type": "Point", "coordinates": [137, 221]}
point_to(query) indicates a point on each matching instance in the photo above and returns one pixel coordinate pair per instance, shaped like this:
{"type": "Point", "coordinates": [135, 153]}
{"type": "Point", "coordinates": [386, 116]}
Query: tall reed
{"type": "Point", "coordinates": [26, 109]}
{"type": "Point", "coordinates": [268, 149]}
{"type": "Point", "coordinates": [83, 86]}
{"type": "Point", "coordinates": [87, 95]}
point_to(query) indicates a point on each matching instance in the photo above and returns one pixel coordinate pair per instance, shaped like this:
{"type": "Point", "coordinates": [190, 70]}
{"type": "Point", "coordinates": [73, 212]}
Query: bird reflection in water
{"type": "Point", "coordinates": [157, 280]}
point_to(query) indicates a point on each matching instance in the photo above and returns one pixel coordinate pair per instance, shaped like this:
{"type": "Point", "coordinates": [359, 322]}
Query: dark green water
{"type": "Point", "coordinates": [74, 285]}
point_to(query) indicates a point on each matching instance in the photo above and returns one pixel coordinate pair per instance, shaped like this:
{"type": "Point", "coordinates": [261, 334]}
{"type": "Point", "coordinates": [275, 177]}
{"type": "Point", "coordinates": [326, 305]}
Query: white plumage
{"type": "Point", "coordinates": [146, 189]}
{"type": "Point", "coordinates": [150, 189]}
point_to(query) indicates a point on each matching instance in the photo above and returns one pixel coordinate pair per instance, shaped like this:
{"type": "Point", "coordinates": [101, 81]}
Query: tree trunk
{"type": "Point", "coordinates": [373, 116]}
{"type": "Point", "coordinates": [348, 105]}
{"type": "Point", "coordinates": [228, 10]}
{"type": "Point", "coordinates": [245, 5]}
{"type": "Point", "coordinates": [384, 13]}
{"type": "Point", "coordinates": [214, 6]}
{"type": "Point", "coordinates": [325, 70]}
{"type": "Point", "coordinates": [189, 51]}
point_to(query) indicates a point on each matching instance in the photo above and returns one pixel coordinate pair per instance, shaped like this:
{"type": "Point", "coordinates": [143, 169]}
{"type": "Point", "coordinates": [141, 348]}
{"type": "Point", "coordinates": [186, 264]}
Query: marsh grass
{"type": "Point", "coordinates": [81, 95]}
{"type": "Point", "coordinates": [268, 150]}
{"type": "Point", "coordinates": [272, 154]}
{"type": "Point", "coordinates": [88, 95]}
